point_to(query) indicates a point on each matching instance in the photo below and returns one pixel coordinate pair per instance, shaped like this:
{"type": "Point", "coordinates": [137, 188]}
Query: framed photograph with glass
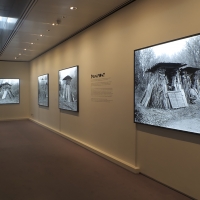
{"type": "Point", "coordinates": [43, 90]}
{"type": "Point", "coordinates": [68, 89]}
{"type": "Point", "coordinates": [167, 89]}
{"type": "Point", "coordinates": [9, 91]}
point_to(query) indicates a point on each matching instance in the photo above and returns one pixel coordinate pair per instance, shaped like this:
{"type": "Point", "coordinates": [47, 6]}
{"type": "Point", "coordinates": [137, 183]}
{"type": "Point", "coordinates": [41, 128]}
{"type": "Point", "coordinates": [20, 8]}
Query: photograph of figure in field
{"type": "Point", "coordinates": [68, 89]}
{"type": "Point", "coordinates": [9, 91]}
{"type": "Point", "coordinates": [167, 90]}
{"type": "Point", "coordinates": [43, 90]}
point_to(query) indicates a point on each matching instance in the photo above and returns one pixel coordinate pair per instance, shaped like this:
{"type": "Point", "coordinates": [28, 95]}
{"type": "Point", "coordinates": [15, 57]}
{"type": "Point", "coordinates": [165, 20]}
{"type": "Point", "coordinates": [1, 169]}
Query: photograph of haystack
{"type": "Point", "coordinates": [9, 91]}
{"type": "Point", "coordinates": [43, 90]}
{"type": "Point", "coordinates": [167, 86]}
{"type": "Point", "coordinates": [68, 89]}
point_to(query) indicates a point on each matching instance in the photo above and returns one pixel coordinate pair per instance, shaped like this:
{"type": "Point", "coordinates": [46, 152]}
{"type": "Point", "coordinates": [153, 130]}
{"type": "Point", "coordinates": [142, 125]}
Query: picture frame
{"type": "Point", "coordinates": [68, 82]}
{"type": "Point", "coordinates": [9, 91]}
{"type": "Point", "coordinates": [43, 90]}
{"type": "Point", "coordinates": [167, 85]}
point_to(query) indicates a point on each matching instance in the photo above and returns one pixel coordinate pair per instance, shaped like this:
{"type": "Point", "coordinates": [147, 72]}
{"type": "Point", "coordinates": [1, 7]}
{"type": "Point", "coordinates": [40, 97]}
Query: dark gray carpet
{"type": "Point", "coordinates": [36, 164]}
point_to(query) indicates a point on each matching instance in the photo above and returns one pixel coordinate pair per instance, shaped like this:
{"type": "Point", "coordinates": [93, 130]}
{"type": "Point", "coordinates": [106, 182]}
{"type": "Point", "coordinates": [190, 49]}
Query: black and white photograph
{"type": "Point", "coordinates": [9, 91]}
{"type": "Point", "coordinates": [43, 90]}
{"type": "Point", "coordinates": [68, 89]}
{"type": "Point", "coordinates": [167, 90]}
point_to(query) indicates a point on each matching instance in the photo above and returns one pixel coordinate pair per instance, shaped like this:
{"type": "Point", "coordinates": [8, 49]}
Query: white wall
{"type": "Point", "coordinates": [16, 70]}
{"type": "Point", "coordinates": [170, 157]}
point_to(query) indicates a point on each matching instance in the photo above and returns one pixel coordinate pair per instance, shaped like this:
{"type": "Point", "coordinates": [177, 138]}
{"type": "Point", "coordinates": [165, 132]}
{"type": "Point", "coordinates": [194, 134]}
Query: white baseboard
{"type": "Point", "coordinates": [13, 119]}
{"type": "Point", "coordinates": [113, 159]}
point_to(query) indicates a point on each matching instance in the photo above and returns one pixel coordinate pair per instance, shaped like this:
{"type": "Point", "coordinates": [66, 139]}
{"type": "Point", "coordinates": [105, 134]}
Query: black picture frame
{"type": "Point", "coordinates": [9, 91]}
{"type": "Point", "coordinates": [43, 90]}
{"type": "Point", "coordinates": [166, 84]}
{"type": "Point", "coordinates": [68, 82]}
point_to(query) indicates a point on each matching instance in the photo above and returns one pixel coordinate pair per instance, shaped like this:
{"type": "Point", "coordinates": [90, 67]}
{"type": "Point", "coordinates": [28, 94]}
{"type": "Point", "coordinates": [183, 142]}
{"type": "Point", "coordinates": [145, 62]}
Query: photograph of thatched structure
{"type": "Point", "coordinates": [190, 79]}
{"type": "Point", "coordinates": [9, 91]}
{"type": "Point", "coordinates": [164, 89]}
{"type": "Point", "coordinates": [167, 90]}
{"type": "Point", "coordinates": [68, 89]}
{"type": "Point", "coordinates": [43, 90]}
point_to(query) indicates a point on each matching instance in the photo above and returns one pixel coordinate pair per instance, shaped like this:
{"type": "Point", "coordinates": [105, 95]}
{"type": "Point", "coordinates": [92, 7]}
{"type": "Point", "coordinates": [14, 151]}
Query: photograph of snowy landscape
{"type": "Point", "coordinates": [167, 90]}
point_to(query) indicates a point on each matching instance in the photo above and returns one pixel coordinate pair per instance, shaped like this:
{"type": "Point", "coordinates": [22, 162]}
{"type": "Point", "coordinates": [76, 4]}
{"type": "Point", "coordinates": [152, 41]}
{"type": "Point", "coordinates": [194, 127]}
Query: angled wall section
{"type": "Point", "coordinates": [16, 70]}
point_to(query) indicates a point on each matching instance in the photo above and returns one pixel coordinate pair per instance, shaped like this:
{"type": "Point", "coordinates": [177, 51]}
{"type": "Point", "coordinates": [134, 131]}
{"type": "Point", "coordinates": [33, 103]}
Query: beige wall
{"type": "Point", "coordinates": [16, 70]}
{"type": "Point", "coordinates": [170, 157]}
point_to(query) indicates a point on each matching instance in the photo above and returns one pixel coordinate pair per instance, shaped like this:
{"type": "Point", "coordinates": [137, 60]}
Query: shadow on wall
{"type": "Point", "coordinates": [44, 107]}
{"type": "Point", "coordinates": [170, 133]}
{"type": "Point", "coordinates": [69, 112]}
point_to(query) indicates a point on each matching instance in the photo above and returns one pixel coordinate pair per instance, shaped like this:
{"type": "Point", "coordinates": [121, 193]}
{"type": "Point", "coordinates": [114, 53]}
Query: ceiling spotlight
{"type": "Point", "coordinates": [31, 42]}
{"type": "Point", "coordinates": [73, 8]}
{"type": "Point", "coordinates": [41, 35]}
{"type": "Point", "coordinates": [24, 49]}
{"type": "Point", "coordinates": [20, 54]}
{"type": "Point", "coordinates": [53, 24]}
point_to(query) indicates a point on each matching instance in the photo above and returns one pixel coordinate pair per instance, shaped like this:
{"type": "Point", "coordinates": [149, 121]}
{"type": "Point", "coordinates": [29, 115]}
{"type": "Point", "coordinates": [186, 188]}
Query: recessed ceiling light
{"type": "Point", "coordinates": [31, 42]}
{"type": "Point", "coordinates": [20, 54]}
{"type": "Point", "coordinates": [41, 35]}
{"type": "Point", "coordinates": [73, 8]}
{"type": "Point", "coordinates": [24, 49]}
{"type": "Point", "coordinates": [53, 24]}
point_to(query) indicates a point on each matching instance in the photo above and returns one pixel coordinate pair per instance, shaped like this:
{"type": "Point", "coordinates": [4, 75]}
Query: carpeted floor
{"type": "Point", "coordinates": [36, 164]}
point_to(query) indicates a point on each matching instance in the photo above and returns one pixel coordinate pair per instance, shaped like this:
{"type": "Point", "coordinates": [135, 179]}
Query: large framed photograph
{"type": "Point", "coordinates": [9, 91]}
{"type": "Point", "coordinates": [68, 89]}
{"type": "Point", "coordinates": [167, 90]}
{"type": "Point", "coordinates": [43, 90]}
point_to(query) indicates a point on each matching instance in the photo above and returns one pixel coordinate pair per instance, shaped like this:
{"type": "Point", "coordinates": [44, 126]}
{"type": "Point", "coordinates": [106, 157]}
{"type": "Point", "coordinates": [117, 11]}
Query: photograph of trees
{"type": "Point", "coordinates": [43, 90]}
{"type": "Point", "coordinates": [9, 91]}
{"type": "Point", "coordinates": [167, 90]}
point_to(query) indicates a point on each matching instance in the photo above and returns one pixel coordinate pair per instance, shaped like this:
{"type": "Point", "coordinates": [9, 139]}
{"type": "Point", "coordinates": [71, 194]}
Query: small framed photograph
{"type": "Point", "coordinates": [9, 91]}
{"type": "Point", "coordinates": [68, 89]}
{"type": "Point", "coordinates": [167, 85]}
{"type": "Point", "coordinates": [43, 90]}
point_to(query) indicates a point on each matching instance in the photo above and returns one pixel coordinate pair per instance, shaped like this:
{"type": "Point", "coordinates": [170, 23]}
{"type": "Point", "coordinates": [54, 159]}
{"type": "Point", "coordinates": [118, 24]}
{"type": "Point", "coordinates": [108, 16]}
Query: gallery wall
{"type": "Point", "coordinates": [105, 126]}
{"type": "Point", "coordinates": [170, 157]}
{"type": "Point", "coordinates": [16, 70]}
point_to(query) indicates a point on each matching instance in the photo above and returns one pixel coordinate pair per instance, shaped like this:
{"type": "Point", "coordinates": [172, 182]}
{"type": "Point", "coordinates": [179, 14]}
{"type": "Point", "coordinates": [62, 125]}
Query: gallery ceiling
{"type": "Point", "coordinates": [28, 28]}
